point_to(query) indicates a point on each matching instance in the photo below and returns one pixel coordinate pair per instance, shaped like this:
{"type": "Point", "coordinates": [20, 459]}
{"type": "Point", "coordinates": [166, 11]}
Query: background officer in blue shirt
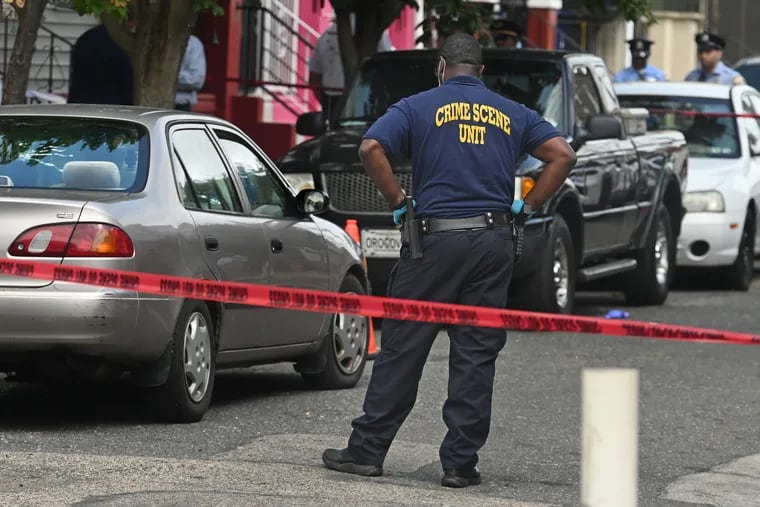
{"type": "Point", "coordinates": [639, 70]}
{"type": "Point", "coordinates": [711, 67]}
{"type": "Point", "coordinates": [464, 142]}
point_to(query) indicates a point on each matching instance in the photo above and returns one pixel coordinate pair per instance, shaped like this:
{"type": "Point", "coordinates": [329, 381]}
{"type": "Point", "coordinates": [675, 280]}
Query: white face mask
{"type": "Point", "coordinates": [441, 70]}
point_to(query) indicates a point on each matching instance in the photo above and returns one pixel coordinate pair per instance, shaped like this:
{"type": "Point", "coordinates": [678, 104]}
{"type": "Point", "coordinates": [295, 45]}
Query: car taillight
{"type": "Point", "coordinates": [70, 240]}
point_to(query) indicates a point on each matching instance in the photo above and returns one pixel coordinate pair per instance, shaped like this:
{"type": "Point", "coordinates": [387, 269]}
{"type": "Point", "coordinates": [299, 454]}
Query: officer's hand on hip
{"type": "Point", "coordinates": [521, 211]}
{"type": "Point", "coordinates": [400, 211]}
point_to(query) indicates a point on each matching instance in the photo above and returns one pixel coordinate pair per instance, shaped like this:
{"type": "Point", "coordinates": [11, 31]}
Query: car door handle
{"type": "Point", "coordinates": [211, 243]}
{"type": "Point", "coordinates": [276, 246]}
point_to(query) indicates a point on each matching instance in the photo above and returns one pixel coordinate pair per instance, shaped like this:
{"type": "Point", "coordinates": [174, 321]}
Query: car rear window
{"type": "Point", "coordinates": [751, 73]}
{"type": "Point", "coordinates": [72, 153]}
{"type": "Point", "coordinates": [707, 124]}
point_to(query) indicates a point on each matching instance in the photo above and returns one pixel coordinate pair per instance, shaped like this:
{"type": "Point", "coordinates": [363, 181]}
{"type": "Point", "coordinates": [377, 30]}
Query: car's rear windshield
{"type": "Point", "coordinates": [381, 83]}
{"type": "Point", "coordinates": [709, 135]}
{"type": "Point", "coordinates": [72, 153]}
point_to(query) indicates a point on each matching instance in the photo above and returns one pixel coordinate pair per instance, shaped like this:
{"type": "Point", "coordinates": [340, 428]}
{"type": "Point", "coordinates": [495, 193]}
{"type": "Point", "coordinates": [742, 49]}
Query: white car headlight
{"type": "Point", "coordinates": [300, 181]}
{"type": "Point", "coordinates": [711, 201]}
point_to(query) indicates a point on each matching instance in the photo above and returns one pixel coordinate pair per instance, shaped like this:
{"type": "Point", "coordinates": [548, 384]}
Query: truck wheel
{"type": "Point", "coordinates": [344, 350]}
{"type": "Point", "coordinates": [551, 288]}
{"type": "Point", "coordinates": [739, 274]}
{"type": "Point", "coordinates": [649, 283]}
{"type": "Point", "coordinates": [187, 393]}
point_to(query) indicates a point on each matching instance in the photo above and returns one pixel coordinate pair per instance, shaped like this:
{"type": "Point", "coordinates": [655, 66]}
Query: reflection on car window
{"type": "Point", "coordinates": [708, 135]}
{"type": "Point", "coordinates": [265, 193]}
{"type": "Point", "coordinates": [207, 185]}
{"type": "Point", "coordinates": [72, 153]}
{"type": "Point", "coordinates": [587, 102]}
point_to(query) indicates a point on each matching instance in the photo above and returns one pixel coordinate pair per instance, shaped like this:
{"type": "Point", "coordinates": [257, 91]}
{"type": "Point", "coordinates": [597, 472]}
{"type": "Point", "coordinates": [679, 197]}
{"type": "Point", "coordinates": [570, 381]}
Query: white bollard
{"type": "Point", "coordinates": [609, 466]}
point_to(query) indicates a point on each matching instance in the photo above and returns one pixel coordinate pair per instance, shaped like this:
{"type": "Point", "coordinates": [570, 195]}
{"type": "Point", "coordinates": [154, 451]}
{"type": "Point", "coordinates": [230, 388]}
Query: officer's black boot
{"type": "Point", "coordinates": [460, 478]}
{"type": "Point", "coordinates": [342, 461]}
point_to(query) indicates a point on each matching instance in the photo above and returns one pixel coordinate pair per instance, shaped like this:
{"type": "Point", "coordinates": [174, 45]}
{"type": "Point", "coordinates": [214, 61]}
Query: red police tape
{"type": "Point", "coordinates": [369, 306]}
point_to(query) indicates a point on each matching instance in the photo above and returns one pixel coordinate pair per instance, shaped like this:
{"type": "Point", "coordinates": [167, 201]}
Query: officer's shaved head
{"type": "Point", "coordinates": [460, 48]}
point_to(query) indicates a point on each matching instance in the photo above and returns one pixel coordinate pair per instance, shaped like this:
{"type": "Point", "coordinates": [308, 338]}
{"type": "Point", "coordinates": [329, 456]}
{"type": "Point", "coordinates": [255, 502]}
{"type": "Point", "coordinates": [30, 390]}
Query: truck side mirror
{"type": "Point", "coordinates": [603, 126]}
{"type": "Point", "coordinates": [311, 124]}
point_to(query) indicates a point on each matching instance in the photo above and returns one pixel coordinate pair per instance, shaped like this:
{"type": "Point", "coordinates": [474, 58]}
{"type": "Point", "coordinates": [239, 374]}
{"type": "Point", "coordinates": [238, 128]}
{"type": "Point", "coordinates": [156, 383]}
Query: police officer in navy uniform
{"type": "Point", "coordinates": [711, 67]}
{"type": "Point", "coordinates": [464, 142]}
{"type": "Point", "coordinates": [506, 33]}
{"type": "Point", "coordinates": [640, 69]}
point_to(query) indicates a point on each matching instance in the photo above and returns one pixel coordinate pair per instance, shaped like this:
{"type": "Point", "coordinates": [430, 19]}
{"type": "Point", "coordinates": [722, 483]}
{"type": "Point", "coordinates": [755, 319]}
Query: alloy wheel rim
{"type": "Point", "coordinates": [350, 332]}
{"type": "Point", "coordinates": [197, 356]}
{"type": "Point", "coordinates": [561, 274]}
{"type": "Point", "coordinates": [661, 256]}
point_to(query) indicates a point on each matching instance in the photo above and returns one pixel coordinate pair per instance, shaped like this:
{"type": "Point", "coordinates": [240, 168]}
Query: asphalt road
{"type": "Point", "coordinates": [261, 441]}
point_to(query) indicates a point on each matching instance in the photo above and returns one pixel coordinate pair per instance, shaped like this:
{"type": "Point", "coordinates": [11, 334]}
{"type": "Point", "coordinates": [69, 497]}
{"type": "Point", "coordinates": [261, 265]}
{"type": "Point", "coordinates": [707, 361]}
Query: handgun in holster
{"type": "Point", "coordinates": [411, 230]}
{"type": "Point", "coordinates": [518, 235]}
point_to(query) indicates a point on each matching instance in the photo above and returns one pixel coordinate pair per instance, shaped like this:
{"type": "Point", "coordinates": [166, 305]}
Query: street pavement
{"type": "Point", "coordinates": [260, 443]}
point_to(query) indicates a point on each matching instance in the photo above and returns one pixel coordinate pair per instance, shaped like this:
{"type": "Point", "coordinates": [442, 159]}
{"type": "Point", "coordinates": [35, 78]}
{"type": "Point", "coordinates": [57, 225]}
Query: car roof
{"type": "Point", "coordinates": [751, 60]}
{"type": "Point", "coordinates": [675, 88]}
{"type": "Point", "coordinates": [147, 116]}
{"type": "Point", "coordinates": [488, 54]}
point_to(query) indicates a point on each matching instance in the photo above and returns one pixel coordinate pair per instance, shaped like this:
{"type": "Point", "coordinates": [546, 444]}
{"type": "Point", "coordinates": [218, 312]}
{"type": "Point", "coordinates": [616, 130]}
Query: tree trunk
{"type": "Point", "coordinates": [372, 18]}
{"type": "Point", "coordinates": [17, 74]}
{"type": "Point", "coordinates": [162, 29]}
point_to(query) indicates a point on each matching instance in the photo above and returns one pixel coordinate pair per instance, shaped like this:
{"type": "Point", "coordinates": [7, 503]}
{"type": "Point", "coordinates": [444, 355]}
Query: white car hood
{"type": "Point", "coordinates": [711, 173]}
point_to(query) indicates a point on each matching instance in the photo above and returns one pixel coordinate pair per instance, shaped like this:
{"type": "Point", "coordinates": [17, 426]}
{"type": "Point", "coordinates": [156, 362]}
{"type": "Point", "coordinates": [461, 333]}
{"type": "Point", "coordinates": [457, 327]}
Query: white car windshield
{"type": "Point", "coordinates": [707, 124]}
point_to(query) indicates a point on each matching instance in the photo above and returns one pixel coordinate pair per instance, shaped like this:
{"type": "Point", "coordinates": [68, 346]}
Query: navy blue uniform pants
{"type": "Point", "coordinates": [467, 267]}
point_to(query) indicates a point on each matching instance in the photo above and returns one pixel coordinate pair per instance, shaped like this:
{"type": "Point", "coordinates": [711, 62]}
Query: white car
{"type": "Point", "coordinates": [721, 226]}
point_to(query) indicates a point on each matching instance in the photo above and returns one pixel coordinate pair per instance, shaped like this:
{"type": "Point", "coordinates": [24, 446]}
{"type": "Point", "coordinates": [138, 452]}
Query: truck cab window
{"type": "Point", "coordinates": [587, 102]}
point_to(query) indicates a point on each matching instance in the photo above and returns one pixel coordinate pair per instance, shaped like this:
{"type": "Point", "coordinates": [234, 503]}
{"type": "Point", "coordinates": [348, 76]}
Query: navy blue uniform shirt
{"type": "Point", "coordinates": [464, 142]}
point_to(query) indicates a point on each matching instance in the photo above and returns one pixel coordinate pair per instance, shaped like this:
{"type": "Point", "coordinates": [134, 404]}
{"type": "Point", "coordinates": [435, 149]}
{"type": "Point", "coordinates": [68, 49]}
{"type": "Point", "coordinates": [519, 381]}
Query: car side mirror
{"type": "Point", "coordinates": [603, 126]}
{"type": "Point", "coordinates": [312, 202]}
{"type": "Point", "coordinates": [754, 146]}
{"type": "Point", "coordinates": [311, 124]}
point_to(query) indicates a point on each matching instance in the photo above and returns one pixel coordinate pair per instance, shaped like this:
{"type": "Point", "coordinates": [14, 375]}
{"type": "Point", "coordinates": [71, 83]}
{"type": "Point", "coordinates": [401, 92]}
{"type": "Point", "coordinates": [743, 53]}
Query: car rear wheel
{"type": "Point", "coordinates": [739, 274]}
{"type": "Point", "coordinates": [344, 350]}
{"type": "Point", "coordinates": [551, 288]}
{"type": "Point", "coordinates": [650, 282]}
{"type": "Point", "coordinates": [187, 393]}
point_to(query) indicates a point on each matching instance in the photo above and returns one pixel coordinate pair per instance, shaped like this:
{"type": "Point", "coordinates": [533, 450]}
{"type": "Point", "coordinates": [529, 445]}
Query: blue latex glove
{"type": "Point", "coordinates": [517, 206]}
{"type": "Point", "coordinates": [399, 213]}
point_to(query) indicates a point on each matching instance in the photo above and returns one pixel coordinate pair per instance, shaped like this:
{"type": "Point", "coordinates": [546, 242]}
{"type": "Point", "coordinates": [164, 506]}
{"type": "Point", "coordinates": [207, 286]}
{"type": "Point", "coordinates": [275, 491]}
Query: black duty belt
{"type": "Point", "coordinates": [484, 221]}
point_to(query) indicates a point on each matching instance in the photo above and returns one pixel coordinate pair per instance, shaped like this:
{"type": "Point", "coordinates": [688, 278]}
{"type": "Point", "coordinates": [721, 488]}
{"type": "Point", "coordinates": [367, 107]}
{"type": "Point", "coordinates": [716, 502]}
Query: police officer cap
{"type": "Point", "coordinates": [505, 27]}
{"type": "Point", "coordinates": [461, 48]}
{"type": "Point", "coordinates": [707, 40]}
{"type": "Point", "coordinates": [640, 47]}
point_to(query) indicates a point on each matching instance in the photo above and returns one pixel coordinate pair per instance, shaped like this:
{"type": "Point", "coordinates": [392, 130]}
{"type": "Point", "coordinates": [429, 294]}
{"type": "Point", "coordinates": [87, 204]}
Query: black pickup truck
{"type": "Point", "coordinates": [614, 223]}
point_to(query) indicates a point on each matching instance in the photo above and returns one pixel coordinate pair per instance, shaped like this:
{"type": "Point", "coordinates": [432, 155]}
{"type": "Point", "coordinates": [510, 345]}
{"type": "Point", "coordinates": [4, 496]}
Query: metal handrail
{"type": "Point", "coordinates": [50, 59]}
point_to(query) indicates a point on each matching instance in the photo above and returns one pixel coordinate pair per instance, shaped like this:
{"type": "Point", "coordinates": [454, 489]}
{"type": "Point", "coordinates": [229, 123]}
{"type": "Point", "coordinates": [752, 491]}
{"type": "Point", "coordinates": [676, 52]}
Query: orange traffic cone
{"type": "Point", "coordinates": [352, 228]}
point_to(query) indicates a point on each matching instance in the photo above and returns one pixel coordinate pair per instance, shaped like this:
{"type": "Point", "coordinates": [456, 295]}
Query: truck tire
{"type": "Point", "coordinates": [186, 395]}
{"type": "Point", "coordinates": [344, 350]}
{"type": "Point", "coordinates": [739, 274]}
{"type": "Point", "coordinates": [649, 283]}
{"type": "Point", "coordinates": [551, 288]}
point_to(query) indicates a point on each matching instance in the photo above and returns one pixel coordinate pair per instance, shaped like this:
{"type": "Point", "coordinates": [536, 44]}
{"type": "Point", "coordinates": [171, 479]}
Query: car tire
{"type": "Point", "coordinates": [344, 349]}
{"type": "Point", "coordinates": [551, 287]}
{"type": "Point", "coordinates": [186, 395]}
{"type": "Point", "coordinates": [650, 282]}
{"type": "Point", "coordinates": [739, 274]}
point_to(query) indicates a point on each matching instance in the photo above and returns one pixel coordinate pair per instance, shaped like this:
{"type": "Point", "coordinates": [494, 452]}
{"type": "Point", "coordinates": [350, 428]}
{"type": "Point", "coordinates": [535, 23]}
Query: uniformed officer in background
{"type": "Point", "coordinates": [506, 33]}
{"type": "Point", "coordinates": [464, 142]}
{"type": "Point", "coordinates": [711, 67]}
{"type": "Point", "coordinates": [639, 70]}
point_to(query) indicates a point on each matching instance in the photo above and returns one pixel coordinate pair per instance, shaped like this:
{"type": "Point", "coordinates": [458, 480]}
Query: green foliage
{"type": "Point", "coordinates": [120, 8]}
{"type": "Point", "coordinates": [632, 10]}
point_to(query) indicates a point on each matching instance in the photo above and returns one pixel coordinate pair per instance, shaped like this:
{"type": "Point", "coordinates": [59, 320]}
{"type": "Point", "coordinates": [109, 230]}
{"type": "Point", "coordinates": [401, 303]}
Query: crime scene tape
{"type": "Point", "coordinates": [368, 306]}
